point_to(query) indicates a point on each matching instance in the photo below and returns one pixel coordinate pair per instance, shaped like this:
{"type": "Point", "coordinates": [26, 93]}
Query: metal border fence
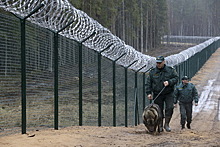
{"type": "Point", "coordinates": [80, 86]}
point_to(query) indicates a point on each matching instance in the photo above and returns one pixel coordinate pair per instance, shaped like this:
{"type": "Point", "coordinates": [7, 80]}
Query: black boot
{"type": "Point", "coordinates": [188, 125]}
{"type": "Point", "coordinates": [161, 126]}
{"type": "Point", "coordinates": [183, 126]}
{"type": "Point", "coordinates": [166, 125]}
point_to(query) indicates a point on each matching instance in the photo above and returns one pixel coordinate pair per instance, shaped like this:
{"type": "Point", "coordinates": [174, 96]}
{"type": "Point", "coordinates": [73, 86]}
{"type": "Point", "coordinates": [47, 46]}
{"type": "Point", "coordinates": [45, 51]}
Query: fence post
{"type": "Point", "coordinates": [144, 90]}
{"type": "Point", "coordinates": [55, 54]}
{"type": "Point", "coordinates": [100, 85]}
{"type": "Point", "coordinates": [80, 77]}
{"type": "Point", "coordinates": [56, 63]}
{"type": "Point", "coordinates": [114, 91]}
{"type": "Point", "coordinates": [126, 93]}
{"type": "Point", "coordinates": [23, 75]}
{"type": "Point", "coordinates": [136, 98]}
{"type": "Point", "coordinates": [23, 68]}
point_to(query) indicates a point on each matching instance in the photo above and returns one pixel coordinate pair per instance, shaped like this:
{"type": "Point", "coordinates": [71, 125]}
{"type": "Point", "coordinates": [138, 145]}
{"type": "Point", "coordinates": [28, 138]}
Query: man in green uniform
{"type": "Point", "coordinates": [185, 93]}
{"type": "Point", "coordinates": [162, 78]}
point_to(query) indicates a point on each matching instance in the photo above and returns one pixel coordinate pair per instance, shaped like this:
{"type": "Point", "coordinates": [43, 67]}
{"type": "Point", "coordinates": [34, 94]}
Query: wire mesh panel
{"type": "Point", "coordinates": [147, 101]}
{"type": "Point", "coordinates": [120, 96]}
{"type": "Point", "coordinates": [131, 97]}
{"type": "Point", "coordinates": [90, 87]}
{"type": "Point", "coordinates": [107, 92]}
{"type": "Point", "coordinates": [39, 74]}
{"type": "Point", "coordinates": [140, 95]}
{"type": "Point", "coordinates": [10, 77]}
{"type": "Point", "coordinates": [68, 82]}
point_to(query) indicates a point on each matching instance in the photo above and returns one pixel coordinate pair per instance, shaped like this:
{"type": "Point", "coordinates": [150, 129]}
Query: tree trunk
{"type": "Point", "coordinates": [123, 20]}
{"type": "Point", "coordinates": [146, 39]}
{"type": "Point", "coordinates": [142, 29]}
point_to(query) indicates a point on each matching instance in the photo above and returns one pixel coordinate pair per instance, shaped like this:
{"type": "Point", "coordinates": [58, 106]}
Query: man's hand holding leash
{"type": "Point", "coordinates": [165, 83]}
{"type": "Point", "coordinates": [150, 96]}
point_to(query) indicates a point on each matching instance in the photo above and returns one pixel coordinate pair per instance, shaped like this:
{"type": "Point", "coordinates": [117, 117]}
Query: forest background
{"type": "Point", "coordinates": [142, 23]}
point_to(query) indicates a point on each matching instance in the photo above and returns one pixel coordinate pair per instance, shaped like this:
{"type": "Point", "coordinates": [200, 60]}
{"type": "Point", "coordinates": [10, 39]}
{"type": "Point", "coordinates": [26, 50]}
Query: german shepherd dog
{"type": "Point", "coordinates": [152, 118]}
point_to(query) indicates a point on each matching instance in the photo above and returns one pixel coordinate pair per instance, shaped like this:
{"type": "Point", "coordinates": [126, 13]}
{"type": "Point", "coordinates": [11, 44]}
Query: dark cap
{"type": "Point", "coordinates": [185, 78]}
{"type": "Point", "coordinates": [159, 59]}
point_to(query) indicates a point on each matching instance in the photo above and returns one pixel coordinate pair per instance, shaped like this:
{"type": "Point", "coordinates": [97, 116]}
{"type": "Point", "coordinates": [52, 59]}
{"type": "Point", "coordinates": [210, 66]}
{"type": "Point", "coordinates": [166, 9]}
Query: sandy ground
{"type": "Point", "coordinates": [205, 130]}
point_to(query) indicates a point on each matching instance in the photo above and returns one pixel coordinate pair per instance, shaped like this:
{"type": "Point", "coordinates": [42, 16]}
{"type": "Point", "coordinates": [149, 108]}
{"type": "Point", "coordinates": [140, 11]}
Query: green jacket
{"type": "Point", "coordinates": [157, 76]}
{"type": "Point", "coordinates": [185, 93]}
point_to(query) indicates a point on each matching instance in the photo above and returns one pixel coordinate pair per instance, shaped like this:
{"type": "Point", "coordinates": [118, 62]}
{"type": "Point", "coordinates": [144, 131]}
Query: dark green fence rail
{"type": "Point", "coordinates": [57, 82]}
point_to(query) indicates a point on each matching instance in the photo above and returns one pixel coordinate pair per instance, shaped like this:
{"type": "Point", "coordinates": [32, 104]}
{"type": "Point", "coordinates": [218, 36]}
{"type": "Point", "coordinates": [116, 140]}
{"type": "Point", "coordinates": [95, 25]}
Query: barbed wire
{"type": "Point", "coordinates": [56, 14]}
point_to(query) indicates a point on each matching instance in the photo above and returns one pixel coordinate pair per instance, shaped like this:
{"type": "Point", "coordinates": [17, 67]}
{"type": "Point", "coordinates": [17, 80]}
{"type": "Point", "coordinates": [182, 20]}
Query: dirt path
{"type": "Point", "coordinates": [205, 130]}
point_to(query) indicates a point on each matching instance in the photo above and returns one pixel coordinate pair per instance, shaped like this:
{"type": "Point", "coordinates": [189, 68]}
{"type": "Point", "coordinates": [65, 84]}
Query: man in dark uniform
{"type": "Point", "coordinates": [162, 76]}
{"type": "Point", "coordinates": [186, 93]}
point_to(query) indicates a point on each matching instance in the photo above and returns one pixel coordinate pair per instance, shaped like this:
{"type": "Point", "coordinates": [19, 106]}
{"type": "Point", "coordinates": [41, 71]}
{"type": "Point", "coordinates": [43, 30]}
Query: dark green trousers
{"type": "Point", "coordinates": [165, 100]}
{"type": "Point", "coordinates": [185, 113]}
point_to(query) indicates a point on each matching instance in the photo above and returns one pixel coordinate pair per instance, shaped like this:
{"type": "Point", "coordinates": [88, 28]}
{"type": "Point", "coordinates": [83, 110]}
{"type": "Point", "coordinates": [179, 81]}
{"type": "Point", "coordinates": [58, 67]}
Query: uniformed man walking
{"type": "Point", "coordinates": [185, 93]}
{"type": "Point", "coordinates": [162, 79]}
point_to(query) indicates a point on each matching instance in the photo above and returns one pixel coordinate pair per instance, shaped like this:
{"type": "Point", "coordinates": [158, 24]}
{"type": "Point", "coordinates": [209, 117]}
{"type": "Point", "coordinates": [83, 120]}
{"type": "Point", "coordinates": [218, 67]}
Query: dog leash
{"type": "Point", "coordinates": [158, 94]}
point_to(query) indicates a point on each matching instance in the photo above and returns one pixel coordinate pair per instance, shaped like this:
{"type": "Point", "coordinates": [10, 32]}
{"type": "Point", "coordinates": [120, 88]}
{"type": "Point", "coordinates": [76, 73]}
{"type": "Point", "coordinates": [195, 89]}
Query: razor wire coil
{"type": "Point", "coordinates": [56, 14]}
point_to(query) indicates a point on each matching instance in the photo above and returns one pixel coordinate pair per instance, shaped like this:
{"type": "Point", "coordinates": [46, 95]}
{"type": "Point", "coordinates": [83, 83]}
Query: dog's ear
{"type": "Point", "coordinates": [155, 117]}
{"type": "Point", "coordinates": [146, 113]}
{"type": "Point", "coordinates": [155, 112]}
